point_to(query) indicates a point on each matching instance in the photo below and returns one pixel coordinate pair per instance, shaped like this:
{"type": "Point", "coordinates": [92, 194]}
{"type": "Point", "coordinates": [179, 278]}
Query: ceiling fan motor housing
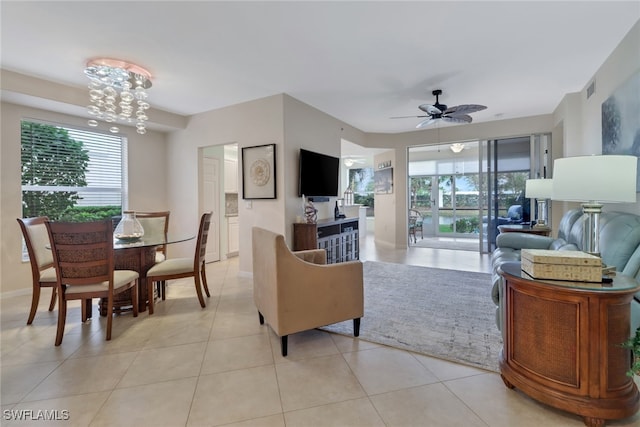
{"type": "Point", "coordinates": [439, 106]}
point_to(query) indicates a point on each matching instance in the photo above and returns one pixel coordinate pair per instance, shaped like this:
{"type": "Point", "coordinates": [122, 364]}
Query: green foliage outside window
{"type": "Point", "coordinates": [468, 225]}
{"type": "Point", "coordinates": [89, 213]}
{"type": "Point", "coordinates": [50, 158]}
{"type": "Point", "coordinates": [363, 199]}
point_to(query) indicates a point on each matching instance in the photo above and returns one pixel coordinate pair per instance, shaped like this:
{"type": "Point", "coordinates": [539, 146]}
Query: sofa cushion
{"type": "Point", "coordinates": [619, 238]}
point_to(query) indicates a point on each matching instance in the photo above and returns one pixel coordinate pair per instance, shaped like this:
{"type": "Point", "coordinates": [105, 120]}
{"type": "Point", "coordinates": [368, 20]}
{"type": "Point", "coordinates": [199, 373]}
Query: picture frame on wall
{"type": "Point", "coordinates": [383, 181]}
{"type": "Point", "coordinates": [621, 121]}
{"type": "Point", "coordinates": [259, 172]}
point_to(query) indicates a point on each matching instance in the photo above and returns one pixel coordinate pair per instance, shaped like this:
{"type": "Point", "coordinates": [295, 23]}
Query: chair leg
{"type": "Point", "coordinates": [109, 315]}
{"type": "Point", "coordinates": [35, 299]}
{"type": "Point", "coordinates": [62, 317]}
{"type": "Point", "coordinates": [83, 309]}
{"type": "Point", "coordinates": [196, 280]}
{"type": "Point", "coordinates": [261, 317]}
{"type": "Point", "coordinates": [54, 295]}
{"type": "Point", "coordinates": [356, 327]}
{"type": "Point", "coordinates": [163, 289]}
{"type": "Point", "coordinates": [150, 294]}
{"type": "Point", "coordinates": [283, 345]}
{"type": "Point", "coordinates": [134, 298]}
{"type": "Point", "coordinates": [203, 273]}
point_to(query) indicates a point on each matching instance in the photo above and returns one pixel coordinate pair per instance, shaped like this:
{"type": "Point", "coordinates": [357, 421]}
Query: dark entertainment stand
{"type": "Point", "coordinates": [339, 237]}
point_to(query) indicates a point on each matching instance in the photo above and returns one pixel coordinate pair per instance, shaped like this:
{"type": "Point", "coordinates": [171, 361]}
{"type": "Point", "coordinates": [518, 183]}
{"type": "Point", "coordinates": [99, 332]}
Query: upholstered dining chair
{"type": "Point", "coordinates": [156, 223]}
{"type": "Point", "coordinates": [83, 258]}
{"type": "Point", "coordinates": [298, 291]}
{"type": "Point", "coordinates": [43, 275]}
{"type": "Point", "coordinates": [178, 268]}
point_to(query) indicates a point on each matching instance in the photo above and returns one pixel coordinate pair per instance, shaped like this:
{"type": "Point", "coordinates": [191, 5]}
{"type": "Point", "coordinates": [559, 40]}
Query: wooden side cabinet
{"type": "Point", "coordinates": [562, 344]}
{"type": "Point", "coordinates": [340, 238]}
{"type": "Point", "coordinates": [305, 236]}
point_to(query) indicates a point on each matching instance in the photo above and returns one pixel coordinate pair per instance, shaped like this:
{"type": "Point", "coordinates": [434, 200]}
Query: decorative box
{"type": "Point", "coordinates": [561, 265]}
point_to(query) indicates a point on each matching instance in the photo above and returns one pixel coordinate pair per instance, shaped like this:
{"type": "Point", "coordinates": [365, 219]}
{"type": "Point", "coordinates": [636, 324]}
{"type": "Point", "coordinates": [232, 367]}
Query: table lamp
{"type": "Point", "coordinates": [541, 190]}
{"type": "Point", "coordinates": [594, 180]}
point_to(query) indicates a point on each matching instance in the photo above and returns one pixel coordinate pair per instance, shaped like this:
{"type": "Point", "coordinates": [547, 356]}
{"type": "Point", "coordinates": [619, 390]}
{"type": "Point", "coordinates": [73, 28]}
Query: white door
{"type": "Point", "coordinates": [211, 202]}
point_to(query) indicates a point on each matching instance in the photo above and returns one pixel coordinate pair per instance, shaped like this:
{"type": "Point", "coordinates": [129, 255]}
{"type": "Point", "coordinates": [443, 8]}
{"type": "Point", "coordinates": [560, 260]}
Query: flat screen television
{"type": "Point", "coordinates": [319, 175]}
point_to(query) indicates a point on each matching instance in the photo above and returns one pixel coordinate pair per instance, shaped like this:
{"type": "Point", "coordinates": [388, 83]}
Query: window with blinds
{"type": "Point", "coordinates": [71, 174]}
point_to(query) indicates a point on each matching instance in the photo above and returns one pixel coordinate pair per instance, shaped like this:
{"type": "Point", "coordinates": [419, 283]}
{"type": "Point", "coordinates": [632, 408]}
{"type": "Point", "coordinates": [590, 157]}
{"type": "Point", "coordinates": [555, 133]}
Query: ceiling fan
{"type": "Point", "coordinates": [437, 111]}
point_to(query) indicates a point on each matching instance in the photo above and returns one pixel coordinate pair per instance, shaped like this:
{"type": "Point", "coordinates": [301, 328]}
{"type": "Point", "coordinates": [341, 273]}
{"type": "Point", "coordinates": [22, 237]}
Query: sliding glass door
{"type": "Point", "coordinates": [444, 188]}
{"type": "Point", "coordinates": [458, 206]}
{"type": "Point", "coordinates": [469, 193]}
{"type": "Point", "coordinates": [506, 167]}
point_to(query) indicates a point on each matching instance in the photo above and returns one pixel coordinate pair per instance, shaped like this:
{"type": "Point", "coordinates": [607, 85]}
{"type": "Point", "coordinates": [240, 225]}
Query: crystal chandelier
{"type": "Point", "coordinates": [113, 77]}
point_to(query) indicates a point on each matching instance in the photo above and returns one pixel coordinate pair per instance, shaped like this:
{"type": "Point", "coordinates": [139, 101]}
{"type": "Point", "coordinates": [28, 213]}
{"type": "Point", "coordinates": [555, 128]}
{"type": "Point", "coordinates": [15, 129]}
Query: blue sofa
{"type": "Point", "coordinates": [619, 247]}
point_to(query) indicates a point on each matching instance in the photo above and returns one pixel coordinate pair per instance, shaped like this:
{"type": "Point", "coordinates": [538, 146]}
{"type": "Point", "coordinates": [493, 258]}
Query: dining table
{"type": "Point", "coordinates": [140, 256]}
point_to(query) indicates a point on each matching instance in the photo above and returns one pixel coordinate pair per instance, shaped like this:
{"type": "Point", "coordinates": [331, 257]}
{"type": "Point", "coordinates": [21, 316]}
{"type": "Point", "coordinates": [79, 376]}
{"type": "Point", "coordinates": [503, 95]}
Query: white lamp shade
{"type": "Point", "coordinates": [604, 179]}
{"type": "Point", "coordinates": [538, 188]}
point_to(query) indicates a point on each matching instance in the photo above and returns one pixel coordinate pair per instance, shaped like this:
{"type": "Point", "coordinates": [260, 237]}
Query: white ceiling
{"type": "Point", "coordinates": [361, 62]}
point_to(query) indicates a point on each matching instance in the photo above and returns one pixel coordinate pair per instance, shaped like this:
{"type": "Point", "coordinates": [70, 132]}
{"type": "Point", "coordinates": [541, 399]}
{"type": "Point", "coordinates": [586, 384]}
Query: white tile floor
{"type": "Point", "coordinates": [187, 366]}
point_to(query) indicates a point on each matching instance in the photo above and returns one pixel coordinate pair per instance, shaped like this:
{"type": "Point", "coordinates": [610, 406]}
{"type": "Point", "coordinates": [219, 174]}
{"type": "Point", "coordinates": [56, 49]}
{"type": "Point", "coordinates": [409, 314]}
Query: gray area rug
{"type": "Point", "coordinates": [447, 314]}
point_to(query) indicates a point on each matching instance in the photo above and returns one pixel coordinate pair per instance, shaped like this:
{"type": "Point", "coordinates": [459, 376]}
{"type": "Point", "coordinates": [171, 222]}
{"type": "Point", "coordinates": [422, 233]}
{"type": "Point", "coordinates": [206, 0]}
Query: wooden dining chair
{"type": "Point", "coordinates": [178, 268]}
{"type": "Point", "coordinates": [84, 263]}
{"type": "Point", "coordinates": [43, 275]}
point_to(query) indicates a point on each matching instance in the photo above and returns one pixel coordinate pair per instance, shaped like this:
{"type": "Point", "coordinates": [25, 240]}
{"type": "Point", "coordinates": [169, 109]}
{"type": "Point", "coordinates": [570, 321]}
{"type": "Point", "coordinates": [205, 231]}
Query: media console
{"type": "Point", "coordinates": [339, 237]}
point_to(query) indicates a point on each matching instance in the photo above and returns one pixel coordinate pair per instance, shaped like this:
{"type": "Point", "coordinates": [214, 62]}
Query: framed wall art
{"type": "Point", "coordinates": [621, 121]}
{"type": "Point", "coordinates": [383, 181]}
{"type": "Point", "coordinates": [259, 172]}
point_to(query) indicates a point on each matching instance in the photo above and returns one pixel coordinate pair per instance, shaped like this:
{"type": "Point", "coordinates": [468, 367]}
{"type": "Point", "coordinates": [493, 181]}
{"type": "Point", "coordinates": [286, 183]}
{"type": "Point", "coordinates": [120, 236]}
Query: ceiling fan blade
{"type": "Point", "coordinates": [426, 123]}
{"type": "Point", "coordinates": [430, 109]}
{"type": "Point", "coordinates": [464, 109]}
{"type": "Point", "coordinates": [408, 117]}
{"type": "Point", "coordinates": [463, 118]}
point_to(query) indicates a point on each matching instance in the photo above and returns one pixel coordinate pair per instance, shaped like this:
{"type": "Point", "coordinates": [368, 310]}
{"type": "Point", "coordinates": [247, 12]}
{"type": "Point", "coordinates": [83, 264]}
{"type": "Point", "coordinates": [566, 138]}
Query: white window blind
{"type": "Point", "coordinates": [65, 168]}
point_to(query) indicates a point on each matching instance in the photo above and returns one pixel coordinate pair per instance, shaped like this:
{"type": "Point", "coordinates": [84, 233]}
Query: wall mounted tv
{"type": "Point", "coordinates": [319, 175]}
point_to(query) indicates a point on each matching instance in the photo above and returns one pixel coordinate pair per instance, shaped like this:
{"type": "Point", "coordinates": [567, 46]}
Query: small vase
{"type": "Point", "coordinates": [129, 228]}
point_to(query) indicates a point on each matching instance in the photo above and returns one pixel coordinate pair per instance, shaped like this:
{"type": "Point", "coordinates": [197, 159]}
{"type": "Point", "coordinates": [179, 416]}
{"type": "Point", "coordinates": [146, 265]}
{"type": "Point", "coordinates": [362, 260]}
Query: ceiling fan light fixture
{"type": "Point", "coordinates": [457, 147]}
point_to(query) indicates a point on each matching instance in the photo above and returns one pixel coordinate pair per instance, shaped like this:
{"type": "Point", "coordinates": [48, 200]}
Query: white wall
{"type": "Point", "coordinates": [582, 117]}
{"type": "Point", "coordinates": [311, 129]}
{"type": "Point", "coordinates": [279, 119]}
{"type": "Point", "coordinates": [388, 214]}
{"type": "Point", "coordinates": [249, 124]}
{"type": "Point", "coordinates": [147, 183]}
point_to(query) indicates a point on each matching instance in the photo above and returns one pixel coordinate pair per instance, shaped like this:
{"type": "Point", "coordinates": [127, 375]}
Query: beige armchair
{"type": "Point", "coordinates": [298, 291]}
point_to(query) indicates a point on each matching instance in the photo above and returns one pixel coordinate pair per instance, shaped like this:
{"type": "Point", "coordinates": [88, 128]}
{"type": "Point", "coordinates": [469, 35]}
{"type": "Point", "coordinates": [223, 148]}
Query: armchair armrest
{"type": "Point", "coordinates": [314, 256]}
